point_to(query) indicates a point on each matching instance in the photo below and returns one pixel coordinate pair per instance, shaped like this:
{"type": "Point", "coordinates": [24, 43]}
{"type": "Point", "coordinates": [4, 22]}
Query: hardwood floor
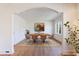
{"type": "Point", "coordinates": [37, 50]}
{"type": "Point", "coordinates": [43, 49]}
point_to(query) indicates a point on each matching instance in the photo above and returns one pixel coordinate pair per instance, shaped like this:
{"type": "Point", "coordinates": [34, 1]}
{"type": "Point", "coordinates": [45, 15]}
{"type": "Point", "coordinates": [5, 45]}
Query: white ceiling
{"type": "Point", "coordinates": [41, 13]}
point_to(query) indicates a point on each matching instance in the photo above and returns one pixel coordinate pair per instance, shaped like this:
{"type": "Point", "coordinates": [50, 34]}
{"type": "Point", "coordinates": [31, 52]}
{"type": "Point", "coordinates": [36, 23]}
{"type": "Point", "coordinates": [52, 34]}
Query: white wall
{"type": "Point", "coordinates": [18, 29]}
{"type": "Point", "coordinates": [78, 13]}
{"type": "Point", "coordinates": [5, 29]}
{"type": "Point", "coordinates": [7, 10]}
{"type": "Point", "coordinates": [78, 9]}
{"type": "Point", "coordinates": [48, 26]}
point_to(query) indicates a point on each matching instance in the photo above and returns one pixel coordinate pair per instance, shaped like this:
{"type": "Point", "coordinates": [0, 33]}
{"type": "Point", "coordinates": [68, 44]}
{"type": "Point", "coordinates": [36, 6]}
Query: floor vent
{"type": "Point", "coordinates": [7, 51]}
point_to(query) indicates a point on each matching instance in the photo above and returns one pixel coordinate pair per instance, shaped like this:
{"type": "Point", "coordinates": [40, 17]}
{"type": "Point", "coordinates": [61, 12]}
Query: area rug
{"type": "Point", "coordinates": [29, 42]}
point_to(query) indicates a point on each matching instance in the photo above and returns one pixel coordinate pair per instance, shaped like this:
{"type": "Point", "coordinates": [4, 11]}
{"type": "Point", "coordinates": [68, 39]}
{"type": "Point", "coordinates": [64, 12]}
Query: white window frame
{"type": "Point", "coordinates": [57, 27]}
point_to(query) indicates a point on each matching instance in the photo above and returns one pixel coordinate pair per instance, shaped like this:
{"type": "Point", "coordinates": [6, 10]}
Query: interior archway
{"type": "Point", "coordinates": [52, 20]}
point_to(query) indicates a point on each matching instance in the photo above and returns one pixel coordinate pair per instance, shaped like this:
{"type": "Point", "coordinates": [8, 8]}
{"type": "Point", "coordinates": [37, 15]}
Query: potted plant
{"type": "Point", "coordinates": [73, 36]}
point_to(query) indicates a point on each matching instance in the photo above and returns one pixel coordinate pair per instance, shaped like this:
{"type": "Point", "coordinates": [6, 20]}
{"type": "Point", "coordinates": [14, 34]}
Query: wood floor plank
{"type": "Point", "coordinates": [36, 50]}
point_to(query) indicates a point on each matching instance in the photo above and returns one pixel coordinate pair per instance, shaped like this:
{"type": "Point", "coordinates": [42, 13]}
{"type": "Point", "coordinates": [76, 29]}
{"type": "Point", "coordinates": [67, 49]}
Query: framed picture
{"type": "Point", "coordinates": [39, 27]}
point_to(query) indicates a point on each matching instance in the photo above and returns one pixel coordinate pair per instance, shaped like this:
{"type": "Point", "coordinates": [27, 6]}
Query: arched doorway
{"type": "Point", "coordinates": [52, 20]}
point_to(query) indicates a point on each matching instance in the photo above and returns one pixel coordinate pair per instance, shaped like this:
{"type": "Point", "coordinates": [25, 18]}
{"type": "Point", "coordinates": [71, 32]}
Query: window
{"type": "Point", "coordinates": [58, 27]}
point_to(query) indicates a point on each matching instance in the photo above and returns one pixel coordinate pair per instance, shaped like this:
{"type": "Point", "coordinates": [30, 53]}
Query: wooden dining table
{"type": "Point", "coordinates": [42, 36]}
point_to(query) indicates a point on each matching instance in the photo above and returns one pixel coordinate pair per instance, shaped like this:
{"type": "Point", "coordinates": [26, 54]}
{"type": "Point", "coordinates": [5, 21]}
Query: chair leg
{"type": "Point", "coordinates": [43, 41]}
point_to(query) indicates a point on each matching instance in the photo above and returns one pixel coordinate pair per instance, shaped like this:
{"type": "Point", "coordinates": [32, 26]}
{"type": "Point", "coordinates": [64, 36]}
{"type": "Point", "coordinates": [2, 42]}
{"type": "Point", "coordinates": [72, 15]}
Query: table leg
{"type": "Point", "coordinates": [34, 40]}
